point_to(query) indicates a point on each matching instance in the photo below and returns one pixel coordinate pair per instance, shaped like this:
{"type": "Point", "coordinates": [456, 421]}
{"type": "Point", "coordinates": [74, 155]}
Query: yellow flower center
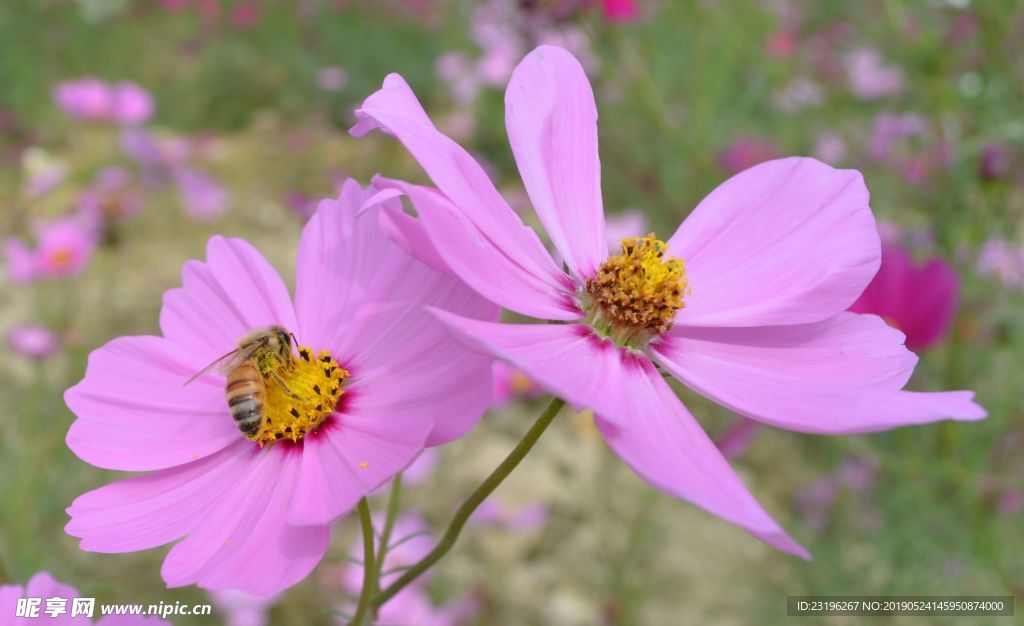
{"type": "Point", "coordinates": [636, 294]}
{"type": "Point", "coordinates": [300, 396]}
{"type": "Point", "coordinates": [62, 258]}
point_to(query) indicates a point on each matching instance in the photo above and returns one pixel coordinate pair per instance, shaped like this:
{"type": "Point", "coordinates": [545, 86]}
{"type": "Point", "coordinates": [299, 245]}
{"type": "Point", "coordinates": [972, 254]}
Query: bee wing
{"type": "Point", "coordinates": [228, 362]}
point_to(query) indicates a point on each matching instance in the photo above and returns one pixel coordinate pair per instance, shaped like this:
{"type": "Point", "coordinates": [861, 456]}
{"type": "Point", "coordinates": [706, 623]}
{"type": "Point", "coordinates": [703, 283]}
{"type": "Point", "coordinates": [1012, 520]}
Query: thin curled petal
{"type": "Point", "coordinates": [551, 120]}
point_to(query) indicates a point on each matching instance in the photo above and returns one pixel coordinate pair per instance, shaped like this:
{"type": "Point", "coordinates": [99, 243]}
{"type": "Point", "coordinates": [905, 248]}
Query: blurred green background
{"type": "Point", "coordinates": [924, 98]}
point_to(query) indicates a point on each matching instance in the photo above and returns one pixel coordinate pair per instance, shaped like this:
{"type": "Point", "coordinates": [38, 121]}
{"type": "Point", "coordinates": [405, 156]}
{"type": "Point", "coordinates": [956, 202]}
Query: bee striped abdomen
{"type": "Point", "coordinates": [245, 395]}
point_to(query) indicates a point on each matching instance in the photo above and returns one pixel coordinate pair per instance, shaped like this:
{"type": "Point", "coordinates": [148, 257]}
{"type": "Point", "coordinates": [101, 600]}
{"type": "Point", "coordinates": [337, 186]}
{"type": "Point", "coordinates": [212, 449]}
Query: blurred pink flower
{"type": "Point", "coordinates": [1003, 260]}
{"type": "Point", "coordinates": [63, 249]}
{"type": "Point", "coordinates": [869, 78]}
{"type": "Point", "coordinates": [801, 93]}
{"type": "Point", "coordinates": [44, 586]}
{"type": "Point", "coordinates": [918, 300]}
{"type": "Point", "coordinates": [1011, 502]}
{"type": "Point", "coordinates": [628, 224]}
{"type": "Point", "coordinates": [257, 517]}
{"type": "Point", "coordinates": [111, 197]}
{"type": "Point", "coordinates": [891, 129]}
{"type": "Point", "coordinates": [410, 541]}
{"type": "Point", "coordinates": [830, 148]}
{"type": "Point", "coordinates": [755, 318]}
{"type": "Point", "coordinates": [32, 340]}
{"type": "Point", "coordinates": [494, 512]}
{"type": "Point", "coordinates": [245, 15]}
{"type": "Point", "coordinates": [996, 161]}
{"type": "Point", "coordinates": [511, 384]}
{"type": "Point", "coordinates": [331, 78]}
{"type": "Point", "coordinates": [157, 156]}
{"type": "Point", "coordinates": [734, 442]}
{"type": "Point", "coordinates": [745, 153]}
{"type": "Point", "coordinates": [620, 10]}
{"type": "Point", "coordinates": [420, 470]}
{"type": "Point", "coordinates": [202, 196]}
{"type": "Point", "coordinates": [21, 261]}
{"type": "Point", "coordinates": [243, 609]}
{"type": "Point", "coordinates": [94, 100]}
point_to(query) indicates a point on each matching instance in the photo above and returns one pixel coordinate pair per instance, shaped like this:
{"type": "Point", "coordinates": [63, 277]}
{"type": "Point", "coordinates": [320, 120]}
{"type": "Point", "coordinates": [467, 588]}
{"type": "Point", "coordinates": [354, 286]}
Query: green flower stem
{"type": "Point", "coordinates": [369, 565]}
{"type": "Point", "coordinates": [474, 500]}
{"type": "Point", "coordinates": [5, 576]}
{"type": "Point", "coordinates": [385, 535]}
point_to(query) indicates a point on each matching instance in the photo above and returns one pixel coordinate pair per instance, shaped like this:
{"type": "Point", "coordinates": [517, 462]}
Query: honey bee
{"type": "Point", "coordinates": [258, 358]}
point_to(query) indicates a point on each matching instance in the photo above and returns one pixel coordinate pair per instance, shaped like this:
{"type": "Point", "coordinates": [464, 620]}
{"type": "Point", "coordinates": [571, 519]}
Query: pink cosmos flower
{"type": "Point", "coordinates": [202, 196]}
{"type": "Point", "coordinates": [376, 380]}
{"type": "Point", "coordinates": [919, 300]}
{"type": "Point", "coordinates": [242, 609]}
{"type": "Point", "coordinates": [869, 77]}
{"type": "Point", "coordinates": [44, 586]}
{"type": "Point", "coordinates": [33, 341]}
{"type": "Point", "coordinates": [94, 100]}
{"type": "Point", "coordinates": [21, 261]}
{"type": "Point", "coordinates": [755, 318]}
{"type": "Point", "coordinates": [510, 384]}
{"type": "Point", "coordinates": [63, 249]}
{"type": "Point", "coordinates": [494, 512]}
{"type": "Point", "coordinates": [1002, 259]}
{"type": "Point", "coordinates": [112, 197]}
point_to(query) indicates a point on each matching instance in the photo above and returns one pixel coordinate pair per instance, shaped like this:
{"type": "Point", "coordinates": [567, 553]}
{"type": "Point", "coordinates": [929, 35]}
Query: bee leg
{"type": "Point", "coordinates": [280, 381]}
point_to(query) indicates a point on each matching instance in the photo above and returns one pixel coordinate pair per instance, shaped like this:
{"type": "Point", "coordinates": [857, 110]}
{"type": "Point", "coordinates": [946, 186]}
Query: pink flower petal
{"type": "Point", "coordinates": [552, 126]}
{"type": "Point", "coordinates": [839, 376]}
{"type": "Point", "coordinates": [235, 292]}
{"type": "Point", "coordinates": [371, 317]}
{"type": "Point", "coordinates": [789, 241]}
{"type": "Point", "coordinates": [665, 445]}
{"type": "Point", "coordinates": [148, 511]}
{"type": "Point", "coordinates": [640, 416]}
{"type": "Point", "coordinates": [243, 541]}
{"type": "Point", "coordinates": [471, 255]}
{"type": "Point", "coordinates": [395, 109]}
{"type": "Point", "coordinates": [134, 412]}
{"type": "Point", "coordinates": [567, 360]}
{"type": "Point", "coordinates": [349, 459]}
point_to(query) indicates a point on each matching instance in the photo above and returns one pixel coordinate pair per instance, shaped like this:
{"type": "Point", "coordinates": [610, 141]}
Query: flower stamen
{"type": "Point", "coordinates": [300, 396]}
{"type": "Point", "coordinates": [636, 294]}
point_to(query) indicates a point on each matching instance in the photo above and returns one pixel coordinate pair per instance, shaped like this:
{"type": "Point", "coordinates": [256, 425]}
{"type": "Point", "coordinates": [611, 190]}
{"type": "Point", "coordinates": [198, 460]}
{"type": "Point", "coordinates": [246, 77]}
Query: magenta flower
{"type": "Point", "coordinates": [94, 100]}
{"type": "Point", "coordinates": [918, 300]}
{"type": "Point", "coordinates": [620, 10]}
{"type": "Point", "coordinates": [755, 319]}
{"type": "Point", "coordinates": [376, 380]}
{"type": "Point", "coordinates": [44, 586]}
{"type": "Point", "coordinates": [745, 153]}
{"type": "Point", "coordinates": [33, 341]}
